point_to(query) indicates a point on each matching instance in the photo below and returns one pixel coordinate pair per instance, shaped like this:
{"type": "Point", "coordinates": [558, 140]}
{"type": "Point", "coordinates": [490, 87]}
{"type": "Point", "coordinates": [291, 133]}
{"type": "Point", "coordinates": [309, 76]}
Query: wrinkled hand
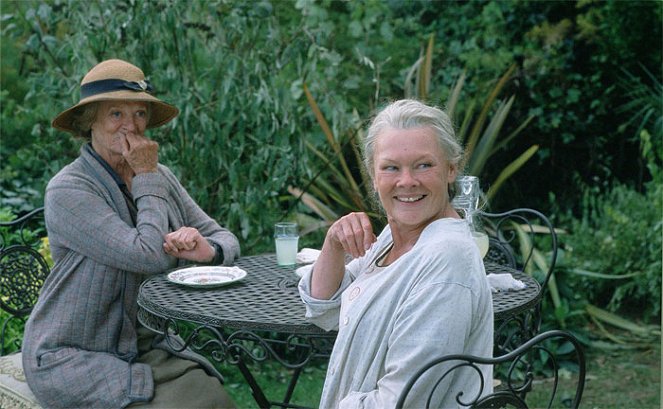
{"type": "Point", "coordinates": [352, 232]}
{"type": "Point", "coordinates": [140, 153]}
{"type": "Point", "coordinates": [187, 243]}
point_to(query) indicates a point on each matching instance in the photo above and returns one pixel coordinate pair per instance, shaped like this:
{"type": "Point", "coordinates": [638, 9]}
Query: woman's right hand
{"type": "Point", "coordinates": [141, 153]}
{"type": "Point", "coordinates": [353, 233]}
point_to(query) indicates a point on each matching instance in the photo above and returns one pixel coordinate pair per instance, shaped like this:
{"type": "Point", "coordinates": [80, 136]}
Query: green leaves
{"type": "Point", "coordinates": [227, 65]}
{"type": "Point", "coordinates": [480, 133]}
{"type": "Point", "coordinates": [612, 263]}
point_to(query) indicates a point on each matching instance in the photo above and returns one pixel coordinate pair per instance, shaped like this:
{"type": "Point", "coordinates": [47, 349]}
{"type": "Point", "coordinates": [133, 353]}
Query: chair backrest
{"type": "Point", "coordinates": [22, 268]}
{"type": "Point", "coordinates": [523, 239]}
{"type": "Point", "coordinates": [515, 375]}
{"type": "Point", "coordinates": [514, 236]}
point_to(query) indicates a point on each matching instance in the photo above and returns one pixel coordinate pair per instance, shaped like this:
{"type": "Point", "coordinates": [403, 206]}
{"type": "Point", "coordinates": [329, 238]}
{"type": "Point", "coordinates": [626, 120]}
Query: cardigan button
{"type": "Point", "coordinates": [355, 293]}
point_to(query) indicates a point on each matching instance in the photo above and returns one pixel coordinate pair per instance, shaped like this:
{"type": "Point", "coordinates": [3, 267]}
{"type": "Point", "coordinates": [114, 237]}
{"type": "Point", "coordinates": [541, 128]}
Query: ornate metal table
{"type": "Point", "coordinates": [507, 304]}
{"type": "Point", "coordinates": [262, 317]}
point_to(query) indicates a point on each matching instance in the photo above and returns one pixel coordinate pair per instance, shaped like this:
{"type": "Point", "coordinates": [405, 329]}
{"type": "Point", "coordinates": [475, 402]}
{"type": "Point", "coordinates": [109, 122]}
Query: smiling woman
{"type": "Point", "coordinates": [411, 179]}
{"type": "Point", "coordinates": [113, 216]}
{"type": "Point", "coordinates": [419, 288]}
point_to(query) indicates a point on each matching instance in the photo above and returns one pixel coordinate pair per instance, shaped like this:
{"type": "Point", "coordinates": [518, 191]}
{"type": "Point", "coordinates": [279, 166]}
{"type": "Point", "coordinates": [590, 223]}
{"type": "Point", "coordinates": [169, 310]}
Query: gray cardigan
{"type": "Point", "coordinates": [80, 340]}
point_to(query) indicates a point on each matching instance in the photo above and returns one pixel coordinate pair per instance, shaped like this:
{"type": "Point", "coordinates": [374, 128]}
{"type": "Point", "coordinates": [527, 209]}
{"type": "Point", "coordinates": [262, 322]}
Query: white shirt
{"type": "Point", "coordinates": [433, 301]}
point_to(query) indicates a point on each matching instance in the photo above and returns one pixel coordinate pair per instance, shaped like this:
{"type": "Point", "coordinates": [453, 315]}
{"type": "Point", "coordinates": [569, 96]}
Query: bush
{"type": "Point", "coordinates": [614, 251]}
{"type": "Point", "coordinates": [228, 66]}
{"type": "Point", "coordinates": [236, 70]}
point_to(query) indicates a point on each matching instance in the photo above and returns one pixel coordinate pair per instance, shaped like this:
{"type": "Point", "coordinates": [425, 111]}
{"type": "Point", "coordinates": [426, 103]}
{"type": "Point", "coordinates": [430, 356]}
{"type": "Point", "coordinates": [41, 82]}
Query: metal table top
{"type": "Point", "coordinates": [267, 299]}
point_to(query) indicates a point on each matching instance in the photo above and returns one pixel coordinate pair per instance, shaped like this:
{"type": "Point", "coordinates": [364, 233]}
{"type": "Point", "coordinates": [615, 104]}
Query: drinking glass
{"type": "Point", "coordinates": [286, 238]}
{"type": "Point", "coordinates": [479, 234]}
{"type": "Point", "coordinates": [467, 202]}
{"type": "Point", "coordinates": [467, 197]}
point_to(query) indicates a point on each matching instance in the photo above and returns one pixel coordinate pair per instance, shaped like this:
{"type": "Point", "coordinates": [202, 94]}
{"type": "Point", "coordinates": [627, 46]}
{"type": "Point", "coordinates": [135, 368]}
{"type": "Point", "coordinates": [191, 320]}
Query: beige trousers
{"type": "Point", "coordinates": [179, 383]}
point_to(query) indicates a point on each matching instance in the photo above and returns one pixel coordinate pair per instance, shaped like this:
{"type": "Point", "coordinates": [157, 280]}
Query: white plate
{"type": "Point", "coordinates": [206, 276]}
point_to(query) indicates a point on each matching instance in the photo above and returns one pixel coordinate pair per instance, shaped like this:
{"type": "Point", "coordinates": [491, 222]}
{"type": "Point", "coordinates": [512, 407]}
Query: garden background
{"type": "Point", "coordinates": [559, 104]}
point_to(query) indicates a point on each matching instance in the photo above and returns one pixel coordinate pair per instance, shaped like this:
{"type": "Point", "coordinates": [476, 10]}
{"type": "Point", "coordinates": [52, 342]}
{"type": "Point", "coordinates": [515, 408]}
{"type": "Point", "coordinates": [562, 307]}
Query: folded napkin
{"type": "Point", "coordinates": [303, 270]}
{"type": "Point", "coordinates": [504, 282]}
{"type": "Point", "coordinates": [306, 256]}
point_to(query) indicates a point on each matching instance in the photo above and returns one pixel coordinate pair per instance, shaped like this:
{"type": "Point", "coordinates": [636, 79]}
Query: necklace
{"type": "Point", "coordinates": [379, 260]}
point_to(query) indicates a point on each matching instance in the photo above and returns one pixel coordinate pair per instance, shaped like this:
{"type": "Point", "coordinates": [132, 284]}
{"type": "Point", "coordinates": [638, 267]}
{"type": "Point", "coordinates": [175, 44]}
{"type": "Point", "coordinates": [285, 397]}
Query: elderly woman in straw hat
{"type": "Point", "coordinates": [113, 216]}
{"type": "Point", "coordinates": [416, 291]}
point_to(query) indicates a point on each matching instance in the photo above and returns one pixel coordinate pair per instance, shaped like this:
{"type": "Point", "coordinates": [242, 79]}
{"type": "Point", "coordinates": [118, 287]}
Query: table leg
{"type": "Point", "coordinates": [291, 385]}
{"type": "Point", "coordinates": [257, 393]}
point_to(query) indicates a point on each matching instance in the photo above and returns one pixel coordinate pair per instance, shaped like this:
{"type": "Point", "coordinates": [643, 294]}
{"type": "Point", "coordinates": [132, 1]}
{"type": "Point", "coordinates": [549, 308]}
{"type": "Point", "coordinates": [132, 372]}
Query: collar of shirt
{"type": "Point", "coordinates": [106, 166]}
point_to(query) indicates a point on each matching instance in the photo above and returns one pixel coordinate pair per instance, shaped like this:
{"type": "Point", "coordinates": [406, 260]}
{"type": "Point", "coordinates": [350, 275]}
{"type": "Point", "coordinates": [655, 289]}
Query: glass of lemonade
{"type": "Point", "coordinates": [286, 238]}
{"type": "Point", "coordinates": [478, 233]}
{"type": "Point", "coordinates": [481, 239]}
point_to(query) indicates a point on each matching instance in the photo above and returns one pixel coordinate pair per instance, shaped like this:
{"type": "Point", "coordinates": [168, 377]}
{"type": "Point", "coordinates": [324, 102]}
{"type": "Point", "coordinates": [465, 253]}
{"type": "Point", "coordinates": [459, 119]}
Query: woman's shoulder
{"type": "Point", "coordinates": [447, 250]}
{"type": "Point", "coordinates": [444, 236]}
{"type": "Point", "coordinates": [72, 172]}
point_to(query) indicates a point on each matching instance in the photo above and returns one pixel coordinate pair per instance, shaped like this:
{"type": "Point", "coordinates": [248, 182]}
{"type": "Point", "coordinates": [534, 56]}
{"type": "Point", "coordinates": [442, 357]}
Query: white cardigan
{"type": "Point", "coordinates": [432, 301]}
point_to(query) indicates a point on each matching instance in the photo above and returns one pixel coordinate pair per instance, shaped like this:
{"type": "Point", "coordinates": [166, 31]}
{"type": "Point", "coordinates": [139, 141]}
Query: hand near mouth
{"type": "Point", "coordinates": [140, 153]}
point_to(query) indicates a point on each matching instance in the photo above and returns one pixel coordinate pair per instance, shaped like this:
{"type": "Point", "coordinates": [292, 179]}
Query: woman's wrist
{"type": "Point", "coordinates": [217, 257]}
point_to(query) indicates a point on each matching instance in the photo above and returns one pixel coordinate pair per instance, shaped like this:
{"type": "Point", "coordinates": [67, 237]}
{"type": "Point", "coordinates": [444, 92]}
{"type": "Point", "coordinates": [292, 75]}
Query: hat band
{"type": "Point", "coordinates": [110, 85]}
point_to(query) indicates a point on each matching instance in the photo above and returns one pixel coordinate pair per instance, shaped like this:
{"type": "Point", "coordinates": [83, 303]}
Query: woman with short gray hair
{"type": "Point", "coordinates": [416, 291]}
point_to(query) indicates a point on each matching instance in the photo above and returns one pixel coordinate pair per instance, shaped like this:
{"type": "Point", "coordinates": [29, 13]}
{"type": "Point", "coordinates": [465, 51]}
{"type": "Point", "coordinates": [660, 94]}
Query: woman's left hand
{"type": "Point", "coordinates": [187, 243]}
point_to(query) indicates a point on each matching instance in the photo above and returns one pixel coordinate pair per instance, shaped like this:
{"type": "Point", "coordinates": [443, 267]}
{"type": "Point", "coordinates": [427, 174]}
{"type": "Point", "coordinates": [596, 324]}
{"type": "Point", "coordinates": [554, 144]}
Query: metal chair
{"type": "Point", "coordinates": [22, 273]}
{"type": "Point", "coordinates": [517, 239]}
{"type": "Point", "coordinates": [22, 269]}
{"type": "Point", "coordinates": [517, 381]}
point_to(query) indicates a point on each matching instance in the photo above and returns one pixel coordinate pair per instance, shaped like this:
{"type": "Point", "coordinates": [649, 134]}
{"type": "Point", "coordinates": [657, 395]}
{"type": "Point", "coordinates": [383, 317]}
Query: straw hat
{"type": "Point", "coordinates": [116, 80]}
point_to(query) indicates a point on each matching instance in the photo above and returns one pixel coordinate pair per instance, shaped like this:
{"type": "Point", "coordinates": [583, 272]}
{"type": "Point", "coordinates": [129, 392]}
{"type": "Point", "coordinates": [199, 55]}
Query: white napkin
{"type": "Point", "coordinates": [504, 282]}
{"type": "Point", "coordinates": [303, 270]}
{"type": "Point", "coordinates": [307, 255]}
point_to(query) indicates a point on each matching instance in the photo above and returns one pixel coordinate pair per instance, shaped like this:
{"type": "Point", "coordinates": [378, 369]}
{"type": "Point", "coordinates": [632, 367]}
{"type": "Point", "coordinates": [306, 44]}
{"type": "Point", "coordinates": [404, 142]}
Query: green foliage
{"type": "Point", "coordinates": [227, 65]}
{"type": "Point", "coordinates": [236, 70]}
{"type": "Point", "coordinates": [29, 234]}
{"type": "Point", "coordinates": [619, 236]}
{"type": "Point", "coordinates": [575, 55]}
{"type": "Point", "coordinates": [645, 103]}
{"type": "Point", "coordinates": [482, 135]}
{"type": "Point", "coordinates": [13, 334]}
{"type": "Point", "coordinates": [342, 186]}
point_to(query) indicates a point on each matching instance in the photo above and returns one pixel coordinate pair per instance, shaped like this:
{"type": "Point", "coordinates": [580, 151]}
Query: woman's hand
{"type": "Point", "coordinates": [141, 153]}
{"type": "Point", "coordinates": [353, 233]}
{"type": "Point", "coordinates": [187, 243]}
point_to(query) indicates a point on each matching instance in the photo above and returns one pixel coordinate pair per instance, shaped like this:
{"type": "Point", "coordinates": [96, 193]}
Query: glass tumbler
{"type": "Point", "coordinates": [286, 239]}
{"type": "Point", "coordinates": [468, 195]}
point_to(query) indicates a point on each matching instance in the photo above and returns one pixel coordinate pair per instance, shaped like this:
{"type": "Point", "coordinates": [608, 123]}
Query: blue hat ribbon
{"type": "Point", "coordinates": [110, 85]}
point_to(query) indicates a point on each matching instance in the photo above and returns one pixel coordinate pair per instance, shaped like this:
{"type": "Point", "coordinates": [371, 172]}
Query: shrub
{"type": "Point", "coordinates": [614, 250]}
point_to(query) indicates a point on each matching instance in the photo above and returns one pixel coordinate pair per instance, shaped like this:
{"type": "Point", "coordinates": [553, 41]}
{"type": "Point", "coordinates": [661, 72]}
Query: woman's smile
{"type": "Point", "coordinates": [410, 199]}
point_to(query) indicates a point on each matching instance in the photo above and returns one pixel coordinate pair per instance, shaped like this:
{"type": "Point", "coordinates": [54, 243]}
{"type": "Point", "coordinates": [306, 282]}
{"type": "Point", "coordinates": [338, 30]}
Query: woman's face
{"type": "Point", "coordinates": [114, 120]}
{"type": "Point", "coordinates": [411, 177]}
